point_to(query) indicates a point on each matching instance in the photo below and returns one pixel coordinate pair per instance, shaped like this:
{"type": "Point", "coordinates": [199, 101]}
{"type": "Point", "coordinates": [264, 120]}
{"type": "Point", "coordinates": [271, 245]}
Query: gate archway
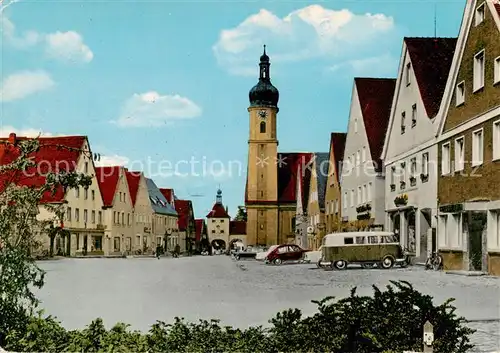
{"type": "Point", "coordinates": [218, 244]}
{"type": "Point", "coordinates": [233, 242]}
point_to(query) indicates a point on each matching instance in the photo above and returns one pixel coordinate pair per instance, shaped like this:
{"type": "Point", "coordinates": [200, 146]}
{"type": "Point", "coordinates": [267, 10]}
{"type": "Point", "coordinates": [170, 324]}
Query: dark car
{"type": "Point", "coordinates": [285, 252]}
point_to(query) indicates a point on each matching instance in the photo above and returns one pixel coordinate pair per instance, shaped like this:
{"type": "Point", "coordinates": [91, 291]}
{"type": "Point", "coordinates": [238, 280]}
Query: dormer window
{"type": "Point", "coordinates": [408, 74]}
{"type": "Point", "coordinates": [479, 18]}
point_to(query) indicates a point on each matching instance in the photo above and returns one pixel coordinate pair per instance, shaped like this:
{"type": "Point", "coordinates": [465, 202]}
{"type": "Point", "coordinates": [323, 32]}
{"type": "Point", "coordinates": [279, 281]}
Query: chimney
{"type": "Point", "coordinates": [12, 138]}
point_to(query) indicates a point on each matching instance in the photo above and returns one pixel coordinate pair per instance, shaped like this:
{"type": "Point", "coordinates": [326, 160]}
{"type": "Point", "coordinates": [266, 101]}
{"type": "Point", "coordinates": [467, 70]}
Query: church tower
{"type": "Point", "coordinates": [261, 199]}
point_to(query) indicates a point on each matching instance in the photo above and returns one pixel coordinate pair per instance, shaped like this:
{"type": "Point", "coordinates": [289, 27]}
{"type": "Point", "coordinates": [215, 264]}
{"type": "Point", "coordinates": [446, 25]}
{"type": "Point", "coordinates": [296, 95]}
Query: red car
{"type": "Point", "coordinates": [285, 252]}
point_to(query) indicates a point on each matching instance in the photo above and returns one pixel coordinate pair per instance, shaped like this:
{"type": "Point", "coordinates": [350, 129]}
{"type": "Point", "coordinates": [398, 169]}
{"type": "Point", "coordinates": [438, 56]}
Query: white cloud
{"type": "Point", "coordinates": [6, 130]}
{"type": "Point", "coordinates": [68, 46]}
{"type": "Point", "coordinates": [65, 46]}
{"type": "Point", "coordinates": [153, 109]}
{"type": "Point", "coordinates": [22, 84]}
{"type": "Point", "coordinates": [383, 65]}
{"type": "Point", "coordinates": [308, 33]}
{"type": "Point", "coordinates": [111, 160]}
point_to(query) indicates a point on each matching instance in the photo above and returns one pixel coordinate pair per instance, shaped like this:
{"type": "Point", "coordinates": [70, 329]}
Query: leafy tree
{"type": "Point", "coordinates": [242, 214]}
{"type": "Point", "coordinates": [21, 230]}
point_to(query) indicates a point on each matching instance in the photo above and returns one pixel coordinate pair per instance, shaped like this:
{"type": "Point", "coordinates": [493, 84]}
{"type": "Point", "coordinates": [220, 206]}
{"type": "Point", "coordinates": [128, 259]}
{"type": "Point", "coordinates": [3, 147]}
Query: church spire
{"type": "Point", "coordinates": [265, 66]}
{"type": "Point", "coordinates": [218, 199]}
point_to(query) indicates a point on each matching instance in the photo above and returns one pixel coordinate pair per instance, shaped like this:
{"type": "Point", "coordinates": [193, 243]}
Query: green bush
{"type": "Point", "coordinates": [390, 320]}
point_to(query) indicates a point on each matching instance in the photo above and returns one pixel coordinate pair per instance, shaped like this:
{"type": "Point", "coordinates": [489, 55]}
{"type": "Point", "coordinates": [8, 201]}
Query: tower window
{"type": "Point", "coordinates": [262, 127]}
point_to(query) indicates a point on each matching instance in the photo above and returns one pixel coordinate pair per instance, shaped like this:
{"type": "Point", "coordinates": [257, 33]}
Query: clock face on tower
{"type": "Point", "coordinates": [263, 114]}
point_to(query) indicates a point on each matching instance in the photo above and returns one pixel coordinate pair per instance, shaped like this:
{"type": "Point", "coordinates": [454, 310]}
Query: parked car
{"type": "Point", "coordinates": [313, 257]}
{"type": "Point", "coordinates": [262, 255]}
{"type": "Point", "coordinates": [285, 252]}
{"type": "Point", "coordinates": [368, 249]}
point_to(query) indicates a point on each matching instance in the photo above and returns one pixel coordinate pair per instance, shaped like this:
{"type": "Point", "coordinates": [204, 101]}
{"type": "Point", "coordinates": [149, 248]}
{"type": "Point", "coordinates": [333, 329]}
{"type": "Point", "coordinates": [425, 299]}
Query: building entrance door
{"type": "Point", "coordinates": [476, 227]}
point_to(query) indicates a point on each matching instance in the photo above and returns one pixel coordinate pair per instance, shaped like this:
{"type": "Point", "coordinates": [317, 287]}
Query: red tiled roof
{"type": "Point", "coordinates": [337, 146]}
{"type": "Point", "coordinates": [237, 227]}
{"type": "Point", "coordinates": [200, 227]}
{"type": "Point", "coordinates": [133, 180]}
{"type": "Point", "coordinates": [56, 154]}
{"type": "Point", "coordinates": [304, 173]}
{"type": "Point", "coordinates": [431, 61]}
{"type": "Point", "coordinates": [375, 98]}
{"type": "Point", "coordinates": [218, 211]}
{"type": "Point", "coordinates": [183, 207]}
{"type": "Point", "coordinates": [107, 178]}
{"type": "Point", "coordinates": [287, 177]}
{"type": "Point", "coordinates": [168, 193]}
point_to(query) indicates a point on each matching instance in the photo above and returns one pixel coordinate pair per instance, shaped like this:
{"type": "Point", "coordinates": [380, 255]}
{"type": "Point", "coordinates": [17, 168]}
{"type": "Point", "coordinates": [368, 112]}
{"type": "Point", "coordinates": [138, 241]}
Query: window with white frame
{"type": "Point", "coordinates": [478, 71]}
{"type": "Point", "coordinates": [336, 206]}
{"type": "Point", "coordinates": [445, 159]}
{"type": "Point", "coordinates": [356, 125]}
{"type": "Point", "coordinates": [460, 93]}
{"type": "Point", "coordinates": [360, 195]}
{"type": "Point", "coordinates": [403, 127]}
{"type": "Point", "coordinates": [369, 192]}
{"type": "Point", "coordinates": [413, 167]}
{"type": "Point", "coordinates": [393, 174]}
{"type": "Point", "coordinates": [425, 163]}
{"type": "Point", "coordinates": [454, 233]}
{"type": "Point", "coordinates": [479, 17]}
{"type": "Point", "coordinates": [358, 158]}
{"type": "Point", "coordinates": [459, 154]}
{"type": "Point", "coordinates": [365, 193]}
{"type": "Point", "coordinates": [345, 199]}
{"type": "Point", "coordinates": [408, 74]}
{"type": "Point", "coordinates": [477, 147]}
{"type": "Point", "coordinates": [496, 139]}
{"type": "Point", "coordinates": [495, 240]}
{"type": "Point", "coordinates": [496, 68]}
{"type": "Point", "coordinates": [352, 197]}
{"type": "Point", "coordinates": [413, 115]}
{"type": "Point", "coordinates": [363, 155]}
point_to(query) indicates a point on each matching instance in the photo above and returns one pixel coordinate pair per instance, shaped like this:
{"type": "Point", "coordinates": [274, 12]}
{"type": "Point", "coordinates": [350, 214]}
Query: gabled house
{"type": "Point", "coordinates": [362, 179]}
{"type": "Point", "coordinates": [82, 207]}
{"type": "Point", "coordinates": [410, 146]}
{"type": "Point", "coordinates": [185, 224]}
{"type": "Point", "coordinates": [172, 238]}
{"type": "Point", "coordinates": [469, 146]}
{"type": "Point", "coordinates": [218, 227]}
{"type": "Point", "coordinates": [201, 237]}
{"type": "Point", "coordinates": [333, 194]}
{"type": "Point", "coordinates": [164, 217]}
{"type": "Point", "coordinates": [316, 200]}
{"type": "Point", "coordinates": [118, 210]}
{"type": "Point", "coordinates": [143, 211]}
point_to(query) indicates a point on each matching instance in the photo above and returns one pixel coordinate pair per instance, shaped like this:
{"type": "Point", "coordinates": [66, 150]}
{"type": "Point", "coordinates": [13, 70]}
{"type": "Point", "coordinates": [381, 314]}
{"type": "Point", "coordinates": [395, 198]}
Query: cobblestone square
{"type": "Point", "coordinates": [243, 293]}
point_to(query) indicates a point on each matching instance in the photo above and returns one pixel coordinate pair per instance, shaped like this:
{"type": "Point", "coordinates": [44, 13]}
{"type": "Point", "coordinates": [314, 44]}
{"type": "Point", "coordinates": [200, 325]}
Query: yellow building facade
{"type": "Point", "coordinates": [270, 195]}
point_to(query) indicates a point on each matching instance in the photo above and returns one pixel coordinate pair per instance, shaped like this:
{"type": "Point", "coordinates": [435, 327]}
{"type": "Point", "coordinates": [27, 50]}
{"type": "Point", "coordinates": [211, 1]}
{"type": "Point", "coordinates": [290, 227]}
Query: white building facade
{"type": "Point", "coordinates": [362, 180]}
{"type": "Point", "coordinates": [410, 151]}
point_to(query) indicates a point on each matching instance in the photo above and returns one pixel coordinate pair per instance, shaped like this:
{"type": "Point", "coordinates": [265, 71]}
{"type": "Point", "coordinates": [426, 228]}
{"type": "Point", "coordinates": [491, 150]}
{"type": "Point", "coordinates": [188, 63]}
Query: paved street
{"type": "Point", "coordinates": [140, 291]}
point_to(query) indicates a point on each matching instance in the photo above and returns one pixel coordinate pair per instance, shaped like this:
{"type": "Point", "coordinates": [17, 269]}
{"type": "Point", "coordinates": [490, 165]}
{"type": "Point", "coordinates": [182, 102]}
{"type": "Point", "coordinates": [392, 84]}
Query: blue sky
{"type": "Point", "coordinates": [166, 82]}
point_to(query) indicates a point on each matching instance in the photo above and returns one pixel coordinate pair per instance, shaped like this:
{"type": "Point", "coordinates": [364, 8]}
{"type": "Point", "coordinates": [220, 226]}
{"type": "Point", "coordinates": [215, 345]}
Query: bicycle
{"type": "Point", "coordinates": [435, 261]}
